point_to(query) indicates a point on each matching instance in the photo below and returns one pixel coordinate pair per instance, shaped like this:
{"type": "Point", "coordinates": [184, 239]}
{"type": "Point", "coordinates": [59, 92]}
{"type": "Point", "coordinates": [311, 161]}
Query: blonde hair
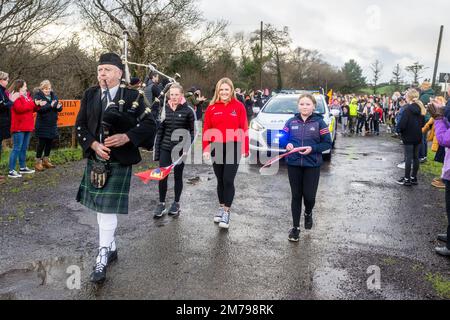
{"type": "Point", "coordinates": [45, 84]}
{"type": "Point", "coordinates": [222, 81]}
{"type": "Point", "coordinates": [413, 96]}
{"type": "Point", "coordinates": [425, 86]}
{"type": "Point", "coordinates": [442, 100]}
{"type": "Point", "coordinates": [3, 75]}
{"type": "Point", "coordinates": [310, 97]}
{"type": "Point", "coordinates": [177, 86]}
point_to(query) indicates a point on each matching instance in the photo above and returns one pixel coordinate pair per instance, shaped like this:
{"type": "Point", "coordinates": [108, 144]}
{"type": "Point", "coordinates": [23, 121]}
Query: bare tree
{"type": "Point", "coordinates": [22, 19]}
{"type": "Point", "coordinates": [278, 42]}
{"type": "Point", "coordinates": [397, 79]}
{"type": "Point", "coordinates": [416, 71]}
{"type": "Point", "coordinates": [157, 28]}
{"type": "Point", "coordinates": [377, 69]}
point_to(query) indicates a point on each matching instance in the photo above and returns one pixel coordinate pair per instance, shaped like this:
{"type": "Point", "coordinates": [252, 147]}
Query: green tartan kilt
{"type": "Point", "coordinates": [113, 198]}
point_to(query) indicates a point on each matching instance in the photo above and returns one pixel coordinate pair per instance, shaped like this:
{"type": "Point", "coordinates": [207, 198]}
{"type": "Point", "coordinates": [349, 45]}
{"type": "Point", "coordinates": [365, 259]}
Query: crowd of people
{"type": "Point", "coordinates": [116, 120]}
{"type": "Point", "coordinates": [21, 114]}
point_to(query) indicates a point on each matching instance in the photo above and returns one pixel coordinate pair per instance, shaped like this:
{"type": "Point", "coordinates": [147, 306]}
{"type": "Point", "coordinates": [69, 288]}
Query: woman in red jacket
{"type": "Point", "coordinates": [225, 140]}
{"type": "Point", "coordinates": [22, 124]}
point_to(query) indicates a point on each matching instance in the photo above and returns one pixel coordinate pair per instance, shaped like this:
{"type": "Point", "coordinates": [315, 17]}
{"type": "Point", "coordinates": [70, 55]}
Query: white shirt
{"type": "Point", "coordinates": [112, 91]}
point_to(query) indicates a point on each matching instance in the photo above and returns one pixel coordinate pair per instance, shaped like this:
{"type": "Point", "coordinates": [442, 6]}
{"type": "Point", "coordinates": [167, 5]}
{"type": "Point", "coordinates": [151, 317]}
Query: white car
{"type": "Point", "coordinates": [266, 130]}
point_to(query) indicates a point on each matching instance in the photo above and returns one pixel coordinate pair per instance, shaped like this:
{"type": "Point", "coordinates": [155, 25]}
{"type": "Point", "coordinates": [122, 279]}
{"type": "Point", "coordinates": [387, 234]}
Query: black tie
{"type": "Point", "coordinates": [104, 101]}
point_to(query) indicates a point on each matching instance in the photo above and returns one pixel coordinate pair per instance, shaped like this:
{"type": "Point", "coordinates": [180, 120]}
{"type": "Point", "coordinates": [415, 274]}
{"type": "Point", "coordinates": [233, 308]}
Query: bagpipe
{"type": "Point", "coordinates": [115, 118]}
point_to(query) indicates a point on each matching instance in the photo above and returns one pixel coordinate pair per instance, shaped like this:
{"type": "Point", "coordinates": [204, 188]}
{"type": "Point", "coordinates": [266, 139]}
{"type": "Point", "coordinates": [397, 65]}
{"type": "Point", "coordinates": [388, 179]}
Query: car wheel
{"type": "Point", "coordinates": [327, 157]}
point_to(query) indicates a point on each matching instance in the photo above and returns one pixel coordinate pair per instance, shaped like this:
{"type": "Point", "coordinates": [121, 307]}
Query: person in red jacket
{"type": "Point", "coordinates": [22, 125]}
{"type": "Point", "coordinates": [225, 140]}
{"type": "Point", "coordinates": [377, 118]}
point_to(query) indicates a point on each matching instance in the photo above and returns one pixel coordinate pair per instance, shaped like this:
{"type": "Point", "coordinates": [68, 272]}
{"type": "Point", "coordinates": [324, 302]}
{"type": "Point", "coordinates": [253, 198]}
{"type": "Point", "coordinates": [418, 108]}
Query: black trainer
{"type": "Point", "coordinates": [404, 182]}
{"type": "Point", "coordinates": [174, 209]}
{"type": "Point", "coordinates": [160, 211]}
{"type": "Point", "coordinates": [442, 237]}
{"type": "Point", "coordinates": [414, 181]}
{"type": "Point", "coordinates": [98, 276]}
{"type": "Point", "coordinates": [112, 256]}
{"type": "Point", "coordinates": [308, 221]}
{"type": "Point", "coordinates": [294, 235]}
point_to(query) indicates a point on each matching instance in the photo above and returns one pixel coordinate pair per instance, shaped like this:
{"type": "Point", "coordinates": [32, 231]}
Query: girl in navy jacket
{"type": "Point", "coordinates": [308, 131]}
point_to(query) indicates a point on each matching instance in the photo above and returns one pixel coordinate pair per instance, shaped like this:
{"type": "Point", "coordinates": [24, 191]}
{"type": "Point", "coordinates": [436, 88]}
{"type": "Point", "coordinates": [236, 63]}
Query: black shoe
{"type": "Point", "coordinates": [443, 251]}
{"type": "Point", "coordinates": [414, 181]}
{"type": "Point", "coordinates": [294, 235]}
{"type": "Point", "coordinates": [308, 221]}
{"type": "Point", "coordinates": [160, 211]}
{"type": "Point", "coordinates": [404, 182]}
{"type": "Point", "coordinates": [112, 257]}
{"type": "Point", "coordinates": [174, 209]}
{"type": "Point", "coordinates": [442, 237]}
{"type": "Point", "coordinates": [99, 274]}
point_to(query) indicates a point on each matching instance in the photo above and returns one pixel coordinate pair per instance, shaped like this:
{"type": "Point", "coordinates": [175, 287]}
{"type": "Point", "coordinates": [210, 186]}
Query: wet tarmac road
{"type": "Point", "coordinates": [363, 220]}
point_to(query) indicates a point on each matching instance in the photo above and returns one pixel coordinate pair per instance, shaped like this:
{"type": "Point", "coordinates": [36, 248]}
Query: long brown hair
{"type": "Point", "coordinates": [222, 81]}
{"type": "Point", "coordinates": [16, 86]}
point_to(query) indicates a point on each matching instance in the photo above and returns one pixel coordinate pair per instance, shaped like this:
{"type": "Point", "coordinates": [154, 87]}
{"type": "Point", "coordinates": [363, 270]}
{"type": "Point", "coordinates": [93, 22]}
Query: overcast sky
{"type": "Point", "coordinates": [394, 32]}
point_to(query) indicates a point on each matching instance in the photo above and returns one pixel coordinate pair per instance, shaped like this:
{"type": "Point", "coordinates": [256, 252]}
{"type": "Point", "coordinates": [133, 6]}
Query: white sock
{"type": "Point", "coordinates": [107, 225]}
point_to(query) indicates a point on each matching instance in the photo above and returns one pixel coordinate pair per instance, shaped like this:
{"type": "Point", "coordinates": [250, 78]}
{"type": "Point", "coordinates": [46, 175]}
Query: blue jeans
{"type": "Point", "coordinates": [423, 151]}
{"type": "Point", "coordinates": [21, 140]}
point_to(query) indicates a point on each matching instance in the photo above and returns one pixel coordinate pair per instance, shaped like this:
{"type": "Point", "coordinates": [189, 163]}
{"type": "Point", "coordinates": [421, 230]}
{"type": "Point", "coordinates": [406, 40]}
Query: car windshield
{"type": "Point", "coordinates": [289, 105]}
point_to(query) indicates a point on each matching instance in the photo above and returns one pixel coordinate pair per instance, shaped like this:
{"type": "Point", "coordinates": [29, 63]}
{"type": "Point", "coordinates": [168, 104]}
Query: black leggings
{"type": "Point", "coordinates": [45, 147]}
{"type": "Point", "coordinates": [304, 184]}
{"type": "Point", "coordinates": [447, 202]}
{"type": "Point", "coordinates": [411, 158]}
{"type": "Point", "coordinates": [226, 159]}
{"type": "Point", "coordinates": [165, 160]}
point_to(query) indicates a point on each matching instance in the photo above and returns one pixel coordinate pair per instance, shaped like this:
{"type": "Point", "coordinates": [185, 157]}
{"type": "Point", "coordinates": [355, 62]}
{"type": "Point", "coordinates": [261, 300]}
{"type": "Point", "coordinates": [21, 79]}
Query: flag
{"type": "Point", "coordinates": [157, 174]}
{"type": "Point", "coordinates": [281, 156]}
{"type": "Point", "coordinates": [330, 95]}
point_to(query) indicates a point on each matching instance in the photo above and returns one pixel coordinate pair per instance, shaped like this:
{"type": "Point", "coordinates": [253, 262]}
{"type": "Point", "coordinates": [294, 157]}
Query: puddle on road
{"type": "Point", "coordinates": [359, 184]}
{"type": "Point", "coordinates": [40, 279]}
{"type": "Point", "coordinates": [328, 283]}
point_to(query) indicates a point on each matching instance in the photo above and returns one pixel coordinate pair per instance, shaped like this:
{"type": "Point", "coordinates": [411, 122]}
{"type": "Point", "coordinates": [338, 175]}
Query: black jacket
{"type": "Point", "coordinates": [182, 118]}
{"type": "Point", "coordinates": [411, 125]}
{"type": "Point", "coordinates": [47, 117]}
{"type": "Point", "coordinates": [141, 134]}
{"type": "Point", "coordinates": [5, 115]}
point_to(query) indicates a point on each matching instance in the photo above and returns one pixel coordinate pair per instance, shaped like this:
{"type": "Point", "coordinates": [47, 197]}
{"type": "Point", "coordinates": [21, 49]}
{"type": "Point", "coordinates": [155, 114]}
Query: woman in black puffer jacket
{"type": "Point", "coordinates": [177, 129]}
{"type": "Point", "coordinates": [46, 124]}
{"type": "Point", "coordinates": [5, 112]}
{"type": "Point", "coordinates": [411, 124]}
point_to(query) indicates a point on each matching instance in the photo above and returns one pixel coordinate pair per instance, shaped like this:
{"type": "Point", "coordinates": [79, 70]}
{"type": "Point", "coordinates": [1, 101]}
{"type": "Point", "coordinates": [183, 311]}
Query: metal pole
{"type": "Point", "coordinates": [261, 57]}
{"type": "Point", "coordinates": [438, 53]}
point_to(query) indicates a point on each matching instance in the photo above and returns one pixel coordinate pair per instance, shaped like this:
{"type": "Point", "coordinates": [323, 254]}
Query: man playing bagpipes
{"type": "Point", "coordinates": [112, 124]}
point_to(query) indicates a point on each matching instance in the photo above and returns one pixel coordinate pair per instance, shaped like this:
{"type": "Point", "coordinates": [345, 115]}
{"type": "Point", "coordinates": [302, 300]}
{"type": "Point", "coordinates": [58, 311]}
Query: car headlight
{"type": "Point", "coordinates": [255, 125]}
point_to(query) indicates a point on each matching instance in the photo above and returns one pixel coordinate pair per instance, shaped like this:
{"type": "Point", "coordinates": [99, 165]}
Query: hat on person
{"type": "Point", "coordinates": [112, 59]}
{"type": "Point", "coordinates": [135, 81]}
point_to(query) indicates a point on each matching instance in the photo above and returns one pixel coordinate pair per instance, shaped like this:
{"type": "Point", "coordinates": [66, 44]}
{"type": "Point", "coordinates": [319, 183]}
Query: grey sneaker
{"type": "Point", "coordinates": [160, 211]}
{"type": "Point", "coordinates": [174, 209]}
{"type": "Point", "coordinates": [225, 222]}
{"type": "Point", "coordinates": [219, 214]}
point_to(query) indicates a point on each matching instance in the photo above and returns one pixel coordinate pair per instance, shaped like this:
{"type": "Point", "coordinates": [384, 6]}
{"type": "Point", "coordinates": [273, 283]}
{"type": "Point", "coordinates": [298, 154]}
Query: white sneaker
{"type": "Point", "coordinates": [26, 170]}
{"type": "Point", "coordinates": [14, 175]}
